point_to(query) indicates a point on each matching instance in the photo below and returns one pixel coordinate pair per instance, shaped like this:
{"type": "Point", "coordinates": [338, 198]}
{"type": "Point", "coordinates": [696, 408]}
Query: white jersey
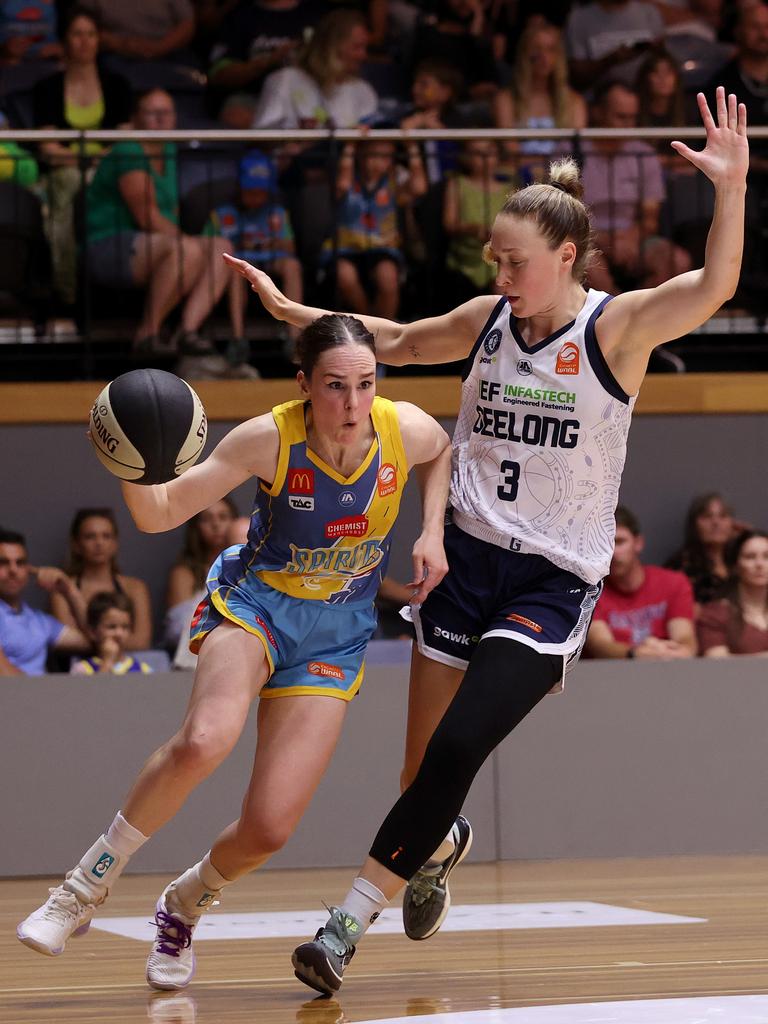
{"type": "Point", "coordinates": [540, 443]}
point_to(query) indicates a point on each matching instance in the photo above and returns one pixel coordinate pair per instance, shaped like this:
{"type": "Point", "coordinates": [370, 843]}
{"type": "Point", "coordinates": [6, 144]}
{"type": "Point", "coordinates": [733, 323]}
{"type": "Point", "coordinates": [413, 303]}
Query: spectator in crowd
{"type": "Point", "coordinates": [709, 529]}
{"type": "Point", "coordinates": [257, 38]}
{"type": "Point", "coordinates": [206, 535]}
{"type": "Point", "coordinates": [624, 185]}
{"type": "Point", "coordinates": [738, 623]}
{"type": "Point", "coordinates": [366, 252]}
{"type": "Point", "coordinates": [324, 88]}
{"type": "Point", "coordinates": [695, 42]}
{"type": "Point", "coordinates": [110, 618]}
{"type": "Point", "coordinates": [145, 30]}
{"type": "Point", "coordinates": [508, 19]}
{"type": "Point", "coordinates": [26, 634]}
{"type": "Point", "coordinates": [435, 91]}
{"type": "Point", "coordinates": [80, 96]}
{"type": "Point", "coordinates": [28, 31]}
{"type": "Point", "coordinates": [93, 569]}
{"type": "Point", "coordinates": [644, 611]}
{"type": "Point", "coordinates": [134, 237]}
{"type": "Point", "coordinates": [606, 40]}
{"type": "Point", "coordinates": [456, 32]}
{"type": "Point", "coordinates": [748, 72]}
{"type": "Point", "coordinates": [472, 199]}
{"type": "Point", "coordinates": [660, 93]}
{"type": "Point", "coordinates": [539, 96]}
{"type": "Point", "coordinates": [258, 229]}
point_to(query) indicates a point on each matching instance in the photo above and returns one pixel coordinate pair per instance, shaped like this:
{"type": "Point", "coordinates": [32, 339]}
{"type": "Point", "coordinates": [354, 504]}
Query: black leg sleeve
{"type": "Point", "coordinates": [505, 680]}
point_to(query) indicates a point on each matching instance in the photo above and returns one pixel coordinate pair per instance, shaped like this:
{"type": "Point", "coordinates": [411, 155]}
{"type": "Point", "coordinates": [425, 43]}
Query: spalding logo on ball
{"type": "Point", "coordinates": [148, 426]}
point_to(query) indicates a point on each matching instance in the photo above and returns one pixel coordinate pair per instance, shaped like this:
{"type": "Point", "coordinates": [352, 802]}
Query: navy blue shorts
{"type": "Point", "coordinates": [490, 591]}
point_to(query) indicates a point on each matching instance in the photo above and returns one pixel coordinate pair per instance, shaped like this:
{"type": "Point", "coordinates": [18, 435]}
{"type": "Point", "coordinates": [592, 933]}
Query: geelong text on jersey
{"type": "Point", "coordinates": [535, 430]}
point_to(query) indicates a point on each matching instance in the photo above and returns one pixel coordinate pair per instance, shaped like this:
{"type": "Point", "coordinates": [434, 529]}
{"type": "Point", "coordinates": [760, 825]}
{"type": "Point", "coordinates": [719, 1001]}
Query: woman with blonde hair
{"type": "Point", "coordinates": [539, 95]}
{"type": "Point", "coordinates": [324, 89]}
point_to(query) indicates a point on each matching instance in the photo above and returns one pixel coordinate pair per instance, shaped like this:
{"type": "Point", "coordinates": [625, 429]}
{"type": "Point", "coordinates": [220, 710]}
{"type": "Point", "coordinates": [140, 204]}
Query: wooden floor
{"type": "Point", "coordinates": [100, 978]}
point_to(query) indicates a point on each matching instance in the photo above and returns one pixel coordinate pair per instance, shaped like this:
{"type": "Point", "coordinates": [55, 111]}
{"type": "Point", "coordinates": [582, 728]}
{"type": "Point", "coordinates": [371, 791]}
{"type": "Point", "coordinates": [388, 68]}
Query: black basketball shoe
{"type": "Point", "coordinates": [428, 897]}
{"type": "Point", "coordinates": [320, 963]}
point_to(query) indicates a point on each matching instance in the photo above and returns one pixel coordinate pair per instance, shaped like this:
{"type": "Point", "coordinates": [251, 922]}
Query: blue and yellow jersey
{"type": "Point", "coordinates": [126, 666]}
{"type": "Point", "coordinates": [313, 533]}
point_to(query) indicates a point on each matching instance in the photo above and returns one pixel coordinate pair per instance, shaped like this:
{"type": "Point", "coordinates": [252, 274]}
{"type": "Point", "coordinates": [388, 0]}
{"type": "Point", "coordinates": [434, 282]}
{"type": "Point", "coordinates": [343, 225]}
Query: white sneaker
{"type": "Point", "coordinates": [48, 928]}
{"type": "Point", "coordinates": [171, 962]}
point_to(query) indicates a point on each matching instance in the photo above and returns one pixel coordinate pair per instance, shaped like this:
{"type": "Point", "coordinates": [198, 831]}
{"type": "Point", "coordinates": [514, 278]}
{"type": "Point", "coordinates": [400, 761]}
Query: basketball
{"type": "Point", "coordinates": [148, 426]}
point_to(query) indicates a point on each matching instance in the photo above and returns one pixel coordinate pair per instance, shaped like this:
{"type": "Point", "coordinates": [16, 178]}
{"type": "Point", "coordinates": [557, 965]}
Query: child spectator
{"type": "Point", "coordinates": [110, 623]}
{"type": "Point", "coordinates": [644, 611]}
{"type": "Point", "coordinates": [472, 200]}
{"type": "Point", "coordinates": [437, 86]}
{"type": "Point", "coordinates": [366, 250]}
{"type": "Point", "coordinates": [738, 623]}
{"type": "Point", "coordinates": [259, 231]}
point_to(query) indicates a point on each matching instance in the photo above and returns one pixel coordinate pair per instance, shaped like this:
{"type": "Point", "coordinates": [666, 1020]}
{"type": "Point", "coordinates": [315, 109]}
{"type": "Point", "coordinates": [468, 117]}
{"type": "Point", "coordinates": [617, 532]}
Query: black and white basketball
{"type": "Point", "coordinates": [148, 426]}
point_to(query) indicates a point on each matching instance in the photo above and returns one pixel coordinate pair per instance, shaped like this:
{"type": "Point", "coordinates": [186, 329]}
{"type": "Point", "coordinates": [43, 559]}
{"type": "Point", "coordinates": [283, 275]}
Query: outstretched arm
{"type": "Point", "coordinates": [428, 448]}
{"type": "Point", "coordinates": [249, 450]}
{"type": "Point", "coordinates": [438, 339]}
{"type": "Point", "coordinates": [636, 322]}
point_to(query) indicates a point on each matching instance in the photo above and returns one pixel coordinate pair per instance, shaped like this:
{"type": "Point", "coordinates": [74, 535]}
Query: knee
{"type": "Point", "coordinates": [198, 750]}
{"type": "Point", "coordinates": [346, 274]}
{"type": "Point", "coordinates": [263, 835]}
{"type": "Point", "coordinates": [387, 278]}
{"type": "Point", "coordinates": [191, 253]}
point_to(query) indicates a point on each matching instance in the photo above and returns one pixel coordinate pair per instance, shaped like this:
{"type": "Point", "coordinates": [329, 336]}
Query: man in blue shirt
{"type": "Point", "coordinates": [26, 634]}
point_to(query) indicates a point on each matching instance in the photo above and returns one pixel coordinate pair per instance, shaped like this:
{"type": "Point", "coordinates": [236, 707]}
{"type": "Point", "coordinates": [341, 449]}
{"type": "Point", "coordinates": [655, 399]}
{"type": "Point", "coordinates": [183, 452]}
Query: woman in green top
{"type": "Point", "coordinates": [134, 236]}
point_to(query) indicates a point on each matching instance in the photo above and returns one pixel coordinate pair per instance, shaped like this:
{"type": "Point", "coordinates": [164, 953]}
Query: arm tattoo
{"type": "Point", "coordinates": [414, 352]}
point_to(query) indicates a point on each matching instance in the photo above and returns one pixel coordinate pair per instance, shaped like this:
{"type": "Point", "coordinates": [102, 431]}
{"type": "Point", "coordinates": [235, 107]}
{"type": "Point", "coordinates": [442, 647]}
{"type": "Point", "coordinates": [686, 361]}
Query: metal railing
{"type": "Point", "coordinates": [208, 150]}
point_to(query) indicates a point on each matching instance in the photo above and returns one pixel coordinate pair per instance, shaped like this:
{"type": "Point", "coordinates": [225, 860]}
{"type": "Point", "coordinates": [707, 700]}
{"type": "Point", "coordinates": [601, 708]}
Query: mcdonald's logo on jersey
{"type": "Point", "coordinates": [301, 481]}
{"type": "Point", "coordinates": [568, 359]}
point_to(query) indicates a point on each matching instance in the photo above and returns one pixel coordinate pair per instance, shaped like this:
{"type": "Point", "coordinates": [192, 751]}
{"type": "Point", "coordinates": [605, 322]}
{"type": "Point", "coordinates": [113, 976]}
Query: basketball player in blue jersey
{"type": "Point", "coordinates": [286, 618]}
{"type": "Point", "coordinates": [552, 373]}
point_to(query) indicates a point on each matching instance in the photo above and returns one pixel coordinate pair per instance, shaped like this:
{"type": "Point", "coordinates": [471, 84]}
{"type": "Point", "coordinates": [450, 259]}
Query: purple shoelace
{"type": "Point", "coordinates": [168, 943]}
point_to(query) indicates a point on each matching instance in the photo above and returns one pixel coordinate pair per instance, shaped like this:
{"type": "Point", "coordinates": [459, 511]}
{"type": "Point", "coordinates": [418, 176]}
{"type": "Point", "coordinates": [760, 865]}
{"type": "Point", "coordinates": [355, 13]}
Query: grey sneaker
{"type": "Point", "coordinates": [320, 963]}
{"type": "Point", "coordinates": [427, 897]}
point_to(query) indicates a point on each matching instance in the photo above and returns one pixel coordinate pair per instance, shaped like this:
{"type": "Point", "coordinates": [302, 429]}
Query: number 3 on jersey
{"type": "Point", "coordinates": [508, 490]}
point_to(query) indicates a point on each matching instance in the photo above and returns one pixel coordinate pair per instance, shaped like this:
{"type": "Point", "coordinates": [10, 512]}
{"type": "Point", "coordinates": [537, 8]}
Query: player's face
{"type": "Point", "coordinates": [14, 570]}
{"type": "Point", "coordinates": [96, 541]}
{"type": "Point", "coordinates": [752, 563]}
{"type": "Point", "coordinates": [715, 524]}
{"type": "Point", "coordinates": [341, 389]}
{"type": "Point", "coordinates": [626, 551]}
{"type": "Point", "coordinates": [214, 524]}
{"type": "Point", "coordinates": [530, 273]}
{"type": "Point", "coordinates": [114, 625]}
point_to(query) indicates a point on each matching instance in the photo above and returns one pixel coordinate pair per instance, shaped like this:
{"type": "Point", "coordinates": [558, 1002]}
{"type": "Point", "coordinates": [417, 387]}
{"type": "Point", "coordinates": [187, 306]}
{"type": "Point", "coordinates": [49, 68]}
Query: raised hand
{"type": "Point", "coordinates": [725, 157]}
{"type": "Point", "coordinates": [272, 298]}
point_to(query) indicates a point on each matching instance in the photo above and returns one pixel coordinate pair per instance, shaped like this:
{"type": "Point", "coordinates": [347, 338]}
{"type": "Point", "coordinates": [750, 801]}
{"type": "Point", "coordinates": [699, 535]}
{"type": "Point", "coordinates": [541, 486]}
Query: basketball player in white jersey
{"type": "Point", "coordinates": [552, 374]}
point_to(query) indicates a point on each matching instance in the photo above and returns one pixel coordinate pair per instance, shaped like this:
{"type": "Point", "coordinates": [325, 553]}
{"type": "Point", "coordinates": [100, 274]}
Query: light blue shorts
{"type": "Point", "coordinates": [312, 648]}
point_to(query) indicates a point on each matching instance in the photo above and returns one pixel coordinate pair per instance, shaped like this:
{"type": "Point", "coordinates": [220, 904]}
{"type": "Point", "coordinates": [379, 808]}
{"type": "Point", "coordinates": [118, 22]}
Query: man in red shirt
{"type": "Point", "coordinates": [644, 611]}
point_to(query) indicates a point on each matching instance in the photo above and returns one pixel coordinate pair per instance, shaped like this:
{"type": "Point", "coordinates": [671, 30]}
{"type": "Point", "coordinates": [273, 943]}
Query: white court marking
{"type": "Point", "coordinates": [472, 917]}
{"type": "Point", "coordinates": [701, 1010]}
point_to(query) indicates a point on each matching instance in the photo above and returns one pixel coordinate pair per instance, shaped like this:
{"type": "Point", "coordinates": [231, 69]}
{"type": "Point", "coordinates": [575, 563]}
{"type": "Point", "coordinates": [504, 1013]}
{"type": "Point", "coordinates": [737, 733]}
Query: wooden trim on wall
{"type": "Point", "coordinates": [662, 394]}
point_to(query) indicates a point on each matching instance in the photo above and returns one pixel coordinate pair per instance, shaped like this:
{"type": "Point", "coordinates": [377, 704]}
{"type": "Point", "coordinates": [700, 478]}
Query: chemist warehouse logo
{"type": "Point", "coordinates": [568, 359]}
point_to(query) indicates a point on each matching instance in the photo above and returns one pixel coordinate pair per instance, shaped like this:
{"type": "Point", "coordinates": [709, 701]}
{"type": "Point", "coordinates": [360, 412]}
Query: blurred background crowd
{"type": "Point", "coordinates": [121, 242]}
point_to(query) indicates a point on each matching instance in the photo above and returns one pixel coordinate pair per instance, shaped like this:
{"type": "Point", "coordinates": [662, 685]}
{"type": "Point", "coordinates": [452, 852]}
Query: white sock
{"type": "Point", "coordinates": [123, 837]}
{"type": "Point", "coordinates": [196, 890]}
{"type": "Point", "coordinates": [444, 850]}
{"type": "Point", "coordinates": [364, 902]}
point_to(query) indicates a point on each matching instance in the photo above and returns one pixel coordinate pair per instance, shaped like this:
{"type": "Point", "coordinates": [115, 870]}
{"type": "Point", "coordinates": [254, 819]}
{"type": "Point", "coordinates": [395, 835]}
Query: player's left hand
{"type": "Point", "coordinates": [725, 157]}
{"type": "Point", "coordinates": [429, 566]}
